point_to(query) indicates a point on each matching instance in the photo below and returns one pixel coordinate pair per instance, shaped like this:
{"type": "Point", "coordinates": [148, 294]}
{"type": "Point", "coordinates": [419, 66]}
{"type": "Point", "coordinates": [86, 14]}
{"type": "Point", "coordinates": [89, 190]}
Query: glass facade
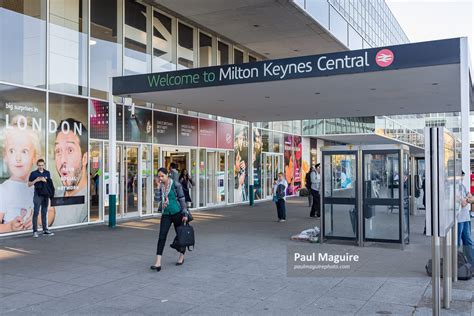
{"type": "Point", "coordinates": [23, 52]}
{"type": "Point", "coordinates": [357, 23]}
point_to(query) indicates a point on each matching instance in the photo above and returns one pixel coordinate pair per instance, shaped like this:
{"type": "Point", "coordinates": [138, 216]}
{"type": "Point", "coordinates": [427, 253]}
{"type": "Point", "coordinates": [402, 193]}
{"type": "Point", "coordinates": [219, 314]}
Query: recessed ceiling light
{"type": "Point", "coordinates": [373, 89]}
{"type": "Point", "coordinates": [317, 93]}
{"type": "Point", "coordinates": [435, 84]}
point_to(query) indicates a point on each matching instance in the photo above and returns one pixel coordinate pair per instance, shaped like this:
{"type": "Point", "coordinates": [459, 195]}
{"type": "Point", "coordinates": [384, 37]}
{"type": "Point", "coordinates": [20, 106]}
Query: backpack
{"type": "Point", "coordinates": [465, 269]}
{"type": "Point", "coordinates": [307, 180]}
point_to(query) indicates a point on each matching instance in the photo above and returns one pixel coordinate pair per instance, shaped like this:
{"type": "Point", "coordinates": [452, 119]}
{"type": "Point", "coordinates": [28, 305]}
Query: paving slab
{"type": "Point", "coordinates": [239, 267]}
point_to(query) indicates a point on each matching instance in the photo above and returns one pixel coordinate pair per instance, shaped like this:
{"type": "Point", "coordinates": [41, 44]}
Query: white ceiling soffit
{"type": "Point", "coordinates": [392, 92]}
{"type": "Point", "coordinates": [281, 28]}
{"type": "Point", "coordinates": [369, 139]}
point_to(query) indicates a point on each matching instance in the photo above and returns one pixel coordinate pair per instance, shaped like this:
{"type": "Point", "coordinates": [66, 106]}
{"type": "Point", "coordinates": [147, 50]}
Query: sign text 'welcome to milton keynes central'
{"type": "Point", "coordinates": [263, 70]}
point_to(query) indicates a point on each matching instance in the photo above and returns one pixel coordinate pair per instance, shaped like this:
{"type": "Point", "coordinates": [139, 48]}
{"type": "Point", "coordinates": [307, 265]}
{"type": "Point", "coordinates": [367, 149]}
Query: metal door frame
{"type": "Point", "coordinates": [384, 201]}
{"type": "Point", "coordinates": [345, 201]}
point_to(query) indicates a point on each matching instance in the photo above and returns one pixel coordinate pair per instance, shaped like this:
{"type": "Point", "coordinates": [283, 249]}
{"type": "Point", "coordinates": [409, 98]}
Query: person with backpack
{"type": "Point", "coordinates": [315, 187]}
{"type": "Point", "coordinates": [279, 196]}
{"type": "Point", "coordinates": [44, 191]}
{"type": "Point", "coordinates": [174, 210]}
{"type": "Point", "coordinates": [307, 181]}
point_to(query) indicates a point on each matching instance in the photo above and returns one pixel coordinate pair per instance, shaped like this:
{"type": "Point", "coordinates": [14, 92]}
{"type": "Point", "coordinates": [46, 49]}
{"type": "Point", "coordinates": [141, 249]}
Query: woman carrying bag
{"type": "Point", "coordinates": [174, 211]}
{"type": "Point", "coordinates": [187, 184]}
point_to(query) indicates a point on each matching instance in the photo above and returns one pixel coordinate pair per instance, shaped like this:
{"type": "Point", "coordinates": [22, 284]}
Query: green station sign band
{"type": "Point", "coordinates": [366, 60]}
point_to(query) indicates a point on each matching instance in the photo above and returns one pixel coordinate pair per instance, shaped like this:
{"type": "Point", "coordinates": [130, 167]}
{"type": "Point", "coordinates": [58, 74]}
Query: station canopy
{"type": "Point", "coordinates": [404, 79]}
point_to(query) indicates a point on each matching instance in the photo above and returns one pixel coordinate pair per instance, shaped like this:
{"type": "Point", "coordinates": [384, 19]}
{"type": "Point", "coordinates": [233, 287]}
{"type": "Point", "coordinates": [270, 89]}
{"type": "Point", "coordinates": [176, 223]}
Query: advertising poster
{"type": "Point", "coordinates": [165, 128]}
{"type": "Point", "coordinates": [257, 163]}
{"type": "Point", "coordinates": [297, 153]}
{"type": "Point", "coordinates": [346, 174]}
{"type": "Point", "coordinates": [207, 133]}
{"type": "Point", "coordinates": [68, 158]}
{"type": "Point", "coordinates": [241, 146]}
{"type": "Point", "coordinates": [99, 120]}
{"type": "Point", "coordinates": [187, 131]}
{"type": "Point", "coordinates": [138, 125]}
{"type": "Point", "coordinates": [289, 163]}
{"type": "Point", "coordinates": [225, 135]}
{"type": "Point", "coordinates": [22, 143]}
{"type": "Point", "coordinates": [305, 160]}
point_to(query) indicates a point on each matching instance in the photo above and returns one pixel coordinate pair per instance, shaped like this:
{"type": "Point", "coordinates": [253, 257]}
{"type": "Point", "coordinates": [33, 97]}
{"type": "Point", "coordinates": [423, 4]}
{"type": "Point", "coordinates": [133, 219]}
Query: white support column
{"type": "Point", "coordinates": [112, 157]}
{"type": "Point", "coordinates": [250, 166]}
{"type": "Point", "coordinates": [465, 109]}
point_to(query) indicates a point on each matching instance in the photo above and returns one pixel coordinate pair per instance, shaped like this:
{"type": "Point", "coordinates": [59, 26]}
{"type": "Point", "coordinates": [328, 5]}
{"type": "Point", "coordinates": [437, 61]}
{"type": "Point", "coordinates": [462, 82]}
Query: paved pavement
{"type": "Point", "coordinates": [239, 266]}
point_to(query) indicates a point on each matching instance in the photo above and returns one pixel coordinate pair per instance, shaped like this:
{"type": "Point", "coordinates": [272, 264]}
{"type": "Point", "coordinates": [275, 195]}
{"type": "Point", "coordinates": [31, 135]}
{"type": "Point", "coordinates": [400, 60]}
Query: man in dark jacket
{"type": "Point", "coordinates": [44, 190]}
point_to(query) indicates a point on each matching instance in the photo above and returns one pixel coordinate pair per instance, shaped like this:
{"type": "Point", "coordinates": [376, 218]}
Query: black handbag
{"type": "Point", "coordinates": [185, 236]}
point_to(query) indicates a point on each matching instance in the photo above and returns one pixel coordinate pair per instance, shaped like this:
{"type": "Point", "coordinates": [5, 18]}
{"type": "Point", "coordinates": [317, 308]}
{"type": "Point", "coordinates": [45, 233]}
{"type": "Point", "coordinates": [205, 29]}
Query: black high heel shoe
{"type": "Point", "coordinates": [157, 269]}
{"type": "Point", "coordinates": [180, 263]}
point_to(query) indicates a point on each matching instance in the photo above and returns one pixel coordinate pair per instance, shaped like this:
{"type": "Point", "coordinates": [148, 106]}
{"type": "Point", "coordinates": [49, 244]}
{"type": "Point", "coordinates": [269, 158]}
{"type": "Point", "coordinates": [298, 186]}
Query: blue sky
{"type": "Point", "coordinates": [425, 20]}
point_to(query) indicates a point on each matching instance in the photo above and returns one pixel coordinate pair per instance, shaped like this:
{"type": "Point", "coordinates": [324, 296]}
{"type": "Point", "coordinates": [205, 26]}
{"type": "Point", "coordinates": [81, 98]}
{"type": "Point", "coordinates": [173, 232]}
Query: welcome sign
{"type": "Point", "coordinates": [365, 60]}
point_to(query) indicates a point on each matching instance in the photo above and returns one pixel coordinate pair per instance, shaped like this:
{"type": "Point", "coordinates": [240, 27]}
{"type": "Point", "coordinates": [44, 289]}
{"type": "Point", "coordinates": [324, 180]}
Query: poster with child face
{"type": "Point", "coordinates": [22, 143]}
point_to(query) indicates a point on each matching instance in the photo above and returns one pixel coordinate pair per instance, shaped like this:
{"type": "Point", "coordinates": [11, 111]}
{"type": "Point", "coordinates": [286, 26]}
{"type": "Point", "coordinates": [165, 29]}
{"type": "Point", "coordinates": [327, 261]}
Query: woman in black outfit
{"type": "Point", "coordinates": [174, 211]}
{"type": "Point", "coordinates": [187, 183]}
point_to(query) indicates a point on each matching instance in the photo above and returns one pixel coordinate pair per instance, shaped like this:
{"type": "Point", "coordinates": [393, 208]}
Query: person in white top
{"type": "Point", "coordinates": [315, 188]}
{"type": "Point", "coordinates": [464, 223]}
{"type": "Point", "coordinates": [279, 196]}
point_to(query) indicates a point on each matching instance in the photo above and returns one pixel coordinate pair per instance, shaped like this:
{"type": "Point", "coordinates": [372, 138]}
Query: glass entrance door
{"type": "Point", "coordinates": [146, 179]}
{"type": "Point", "coordinates": [340, 212]}
{"type": "Point", "coordinates": [131, 183]}
{"type": "Point", "coordinates": [382, 185]}
{"type": "Point", "coordinates": [96, 180]}
{"type": "Point", "coordinates": [272, 165]}
{"type": "Point", "coordinates": [216, 173]}
{"type": "Point", "coordinates": [119, 180]}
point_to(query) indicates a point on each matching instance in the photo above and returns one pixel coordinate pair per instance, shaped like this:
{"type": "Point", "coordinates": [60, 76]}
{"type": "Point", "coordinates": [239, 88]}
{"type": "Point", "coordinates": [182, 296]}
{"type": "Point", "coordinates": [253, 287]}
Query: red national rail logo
{"type": "Point", "coordinates": [384, 57]}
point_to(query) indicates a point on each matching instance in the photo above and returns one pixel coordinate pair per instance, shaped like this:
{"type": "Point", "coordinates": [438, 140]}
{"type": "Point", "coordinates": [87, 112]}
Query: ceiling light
{"type": "Point", "coordinates": [435, 84]}
{"type": "Point", "coordinates": [317, 93]}
{"type": "Point", "coordinates": [373, 89]}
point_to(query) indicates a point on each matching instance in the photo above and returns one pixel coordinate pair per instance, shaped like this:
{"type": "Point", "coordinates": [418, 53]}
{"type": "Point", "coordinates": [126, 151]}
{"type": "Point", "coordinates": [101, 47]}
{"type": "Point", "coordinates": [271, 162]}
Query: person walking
{"type": "Point", "coordinates": [315, 187]}
{"type": "Point", "coordinates": [44, 191]}
{"type": "Point", "coordinates": [308, 186]}
{"type": "Point", "coordinates": [174, 173]}
{"type": "Point", "coordinates": [279, 196]}
{"type": "Point", "coordinates": [464, 223]}
{"type": "Point", "coordinates": [187, 183]}
{"type": "Point", "coordinates": [174, 211]}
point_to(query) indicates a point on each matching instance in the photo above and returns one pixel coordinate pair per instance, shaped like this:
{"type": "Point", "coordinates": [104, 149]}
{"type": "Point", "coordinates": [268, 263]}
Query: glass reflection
{"type": "Point", "coordinates": [23, 51]}
{"type": "Point", "coordinates": [163, 39]}
{"type": "Point", "coordinates": [185, 47]}
{"type": "Point", "coordinates": [135, 59]}
{"type": "Point", "coordinates": [105, 45]}
{"type": "Point", "coordinates": [68, 46]}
